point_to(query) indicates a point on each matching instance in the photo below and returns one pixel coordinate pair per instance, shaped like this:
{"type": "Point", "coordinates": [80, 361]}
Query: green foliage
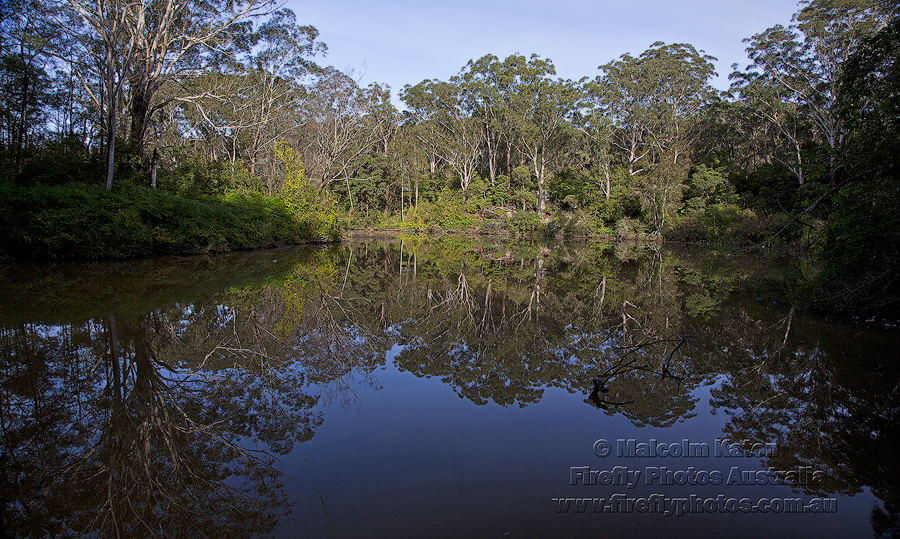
{"type": "Point", "coordinates": [660, 192]}
{"type": "Point", "coordinates": [317, 208]}
{"type": "Point", "coordinates": [430, 214]}
{"type": "Point", "coordinates": [91, 222]}
{"type": "Point", "coordinates": [476, 196]}
{"type": "Point", "coordinates": [577, 224]}
{"type": "Point", "coordinates": [706, 186]}
{"type": "Point", "coordinates": [499, 194]}
{"type": "Point", "coordinates": [726, 224]}
{"type": "Point", "coordinates": [607, 212]}
{"type": "Point", "coordinates": [414, 221]}
{"type": "Point", "coordinates": [294, 185]}
{"type": "Point", "coordinates": [58, 162]}
{"type": "Point", "coordinates": [861, 247]}
{"type": "Point", "coordinates": [770, 188]}
{"type": "Point", "coordinates": [197, 176]}
{"type": "Point", "coordinates": [452, 214]}
{"type": "Point", "coordinates": [524, 222]}
{"type": "Point", "coordinates": [522, 179]}
{"type": "Point", "coordinates": [571, 188]}
{"type": "Point", "coordinates": [629, 229]}
{"type": "Point", "coordinates": [526, 199]}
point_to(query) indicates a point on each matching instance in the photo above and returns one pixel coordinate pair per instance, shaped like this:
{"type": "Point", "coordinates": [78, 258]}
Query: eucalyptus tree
{"type": "Point", "coordinates": [421, 119]}
{"type": "Point", "coordinates": [26, 76]}
{"type": "Point", "coordinates": [409, 158]}
{"type": "Point", "coordinates": [787, 126]}
{"type": "Point", "coordinates": [595, 130]}
{"type": "Point", "coordinates": [804, 63]}
{"type": "Point", "coordinates": [378, 166]}
{"type": "Point", "coordinates": [626, 94]}
{"type": "Point", "coordinates": [485, 87]}
{"type": "Point", "coordinates": [861, 240]}
{"type": "Point", "coordinates": [176, 38]}
{"type": "Point", "coordinates": [458, 134]}
{"type": "Point", "coordinates": [341, 126]}
{"type": "Point", "coordinates": [101, 34]}
{"type": "Point", "coordinates": [426, 134]}
{"type": "Point", "coordinates": [240, 109]}
{"type": "Point", "coordinates": [282, 58]}
{"type": "Point", "coordinates": [539, 111]}
{"type": "Point", "coordinates": [134, 48]}
{"type": "Point", "coordinates": [655, 100]}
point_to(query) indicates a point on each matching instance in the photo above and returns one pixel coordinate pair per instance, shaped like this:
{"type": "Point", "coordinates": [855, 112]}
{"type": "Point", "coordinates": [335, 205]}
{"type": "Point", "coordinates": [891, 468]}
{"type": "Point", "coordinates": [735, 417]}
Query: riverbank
{"type": "Point", "coordinates": [47, 222]}
{"type": "Point", "coordinates": [738, 229]}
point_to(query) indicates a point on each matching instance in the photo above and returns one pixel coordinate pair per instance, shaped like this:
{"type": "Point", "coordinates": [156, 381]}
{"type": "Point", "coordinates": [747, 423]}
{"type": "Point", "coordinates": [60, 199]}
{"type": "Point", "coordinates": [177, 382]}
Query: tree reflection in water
{"type": "Point", "coordinates": [167, 423]}
{"type": "Point", "coordinates": [166, 420]}
{"type": "Point", "coordinates": [108, 437]}
{"type": "Point", "coordinates": [823, 412]}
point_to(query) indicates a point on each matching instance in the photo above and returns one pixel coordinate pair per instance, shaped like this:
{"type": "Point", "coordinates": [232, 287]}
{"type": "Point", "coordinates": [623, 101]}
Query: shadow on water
{"type": "Point", "coordinates": [156, 397]}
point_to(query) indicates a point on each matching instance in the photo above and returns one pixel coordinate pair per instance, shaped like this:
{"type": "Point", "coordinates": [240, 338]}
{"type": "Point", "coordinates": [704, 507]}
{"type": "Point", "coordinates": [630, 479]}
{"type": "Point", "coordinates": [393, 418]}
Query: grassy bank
{"type": "Point", "coordinates": [41, 222]}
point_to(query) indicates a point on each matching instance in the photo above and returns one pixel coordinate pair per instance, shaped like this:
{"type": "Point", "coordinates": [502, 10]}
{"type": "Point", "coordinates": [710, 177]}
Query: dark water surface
{"type": "Point", "coordinates": [441, 389]}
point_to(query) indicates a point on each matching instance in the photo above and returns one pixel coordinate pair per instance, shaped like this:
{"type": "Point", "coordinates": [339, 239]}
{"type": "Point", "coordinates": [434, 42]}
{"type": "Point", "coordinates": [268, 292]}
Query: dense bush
{"type": "Point", "coordinates": [91, 222]}
{"type": "Point", "coordinates": [524, 222]}
{"type": "Point", "coordinates": [629, 228]}
{"type": "Point", "coordinates": [578, 224]}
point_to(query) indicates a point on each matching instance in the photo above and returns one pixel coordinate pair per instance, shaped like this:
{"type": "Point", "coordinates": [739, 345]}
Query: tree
{"type": "Point", "coordinates": [458, 133]}
{"type": "Point", "coordinates": [102, 30]}
{"type": "Point", "coordinates": [541, 108]}
{"type": "Point", "coordinates": [771, 103]}
{"type": "Point", "coordinates": [340, 126]}
{"type": "Point", "coordinates": [595, 138]}
{"type": "Point", "coordinates": [655, 100]}
{"type": "Point", "coordinates": [802, 66]}
{"type": "Point", "coordinates": [860, 249]}
{"type": "Point", "coordinates": [175, 38]}
{"type": "Point", "coordinates": [144, 45]}
{"type": "Point", "coordinates": [410, 160]}
{"type": "Point", "coordinates": [26, 81]}
{"type": "Point", "coordinates": [484, 85]}
{"type": "Point", "coordinates": [272, 84]}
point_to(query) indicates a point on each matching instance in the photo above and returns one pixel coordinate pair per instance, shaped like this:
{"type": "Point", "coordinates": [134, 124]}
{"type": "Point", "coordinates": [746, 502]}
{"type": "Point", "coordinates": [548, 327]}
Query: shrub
{"type": "Point", "coordinates": [578, 224]}
{"type": "Point", "coordinates": [91, 222]}
{"type": "Point", "coordinates": [629, 228]}
{"type": "Point", "coordinates": [524, 222]}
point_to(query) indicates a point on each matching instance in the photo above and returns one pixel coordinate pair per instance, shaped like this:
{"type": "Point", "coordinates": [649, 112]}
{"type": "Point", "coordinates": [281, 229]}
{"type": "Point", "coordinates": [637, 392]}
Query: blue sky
{"type": "Point", "coordinates": [400, 42]}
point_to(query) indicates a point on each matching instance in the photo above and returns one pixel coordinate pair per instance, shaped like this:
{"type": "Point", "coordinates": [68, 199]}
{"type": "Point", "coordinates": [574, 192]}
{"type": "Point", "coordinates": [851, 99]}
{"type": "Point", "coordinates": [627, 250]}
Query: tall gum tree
{"type": "Point", "coordinates": [342, 126]}
{"type": "Point", "coordinates": [145, 44]}
{"type": "Point", "coordinates": [804, 62]}
{"type": "Point", "coordinates": [26, 80]}
{"type": "Point", "coordinates": [655, 102]}
{"type": "Point", "coordinates": [175, 38]}
{"type": "Point", "coordinates": [539, 111]}
{"type": "Point", "coordinates": [103, 35]}
{"type": "Point", "coordinates": [773, 104]}
{"type": "Point", "coordinates": [482, 85]}
{"type": "Point", "coordinates": [458, 133]}
{"type": "Point", "coordinates": [282, 58]}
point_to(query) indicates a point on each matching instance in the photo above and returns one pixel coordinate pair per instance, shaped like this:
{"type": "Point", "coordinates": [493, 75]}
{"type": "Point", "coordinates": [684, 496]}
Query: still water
{"type": "Point", "coordinates": [442, 388]}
